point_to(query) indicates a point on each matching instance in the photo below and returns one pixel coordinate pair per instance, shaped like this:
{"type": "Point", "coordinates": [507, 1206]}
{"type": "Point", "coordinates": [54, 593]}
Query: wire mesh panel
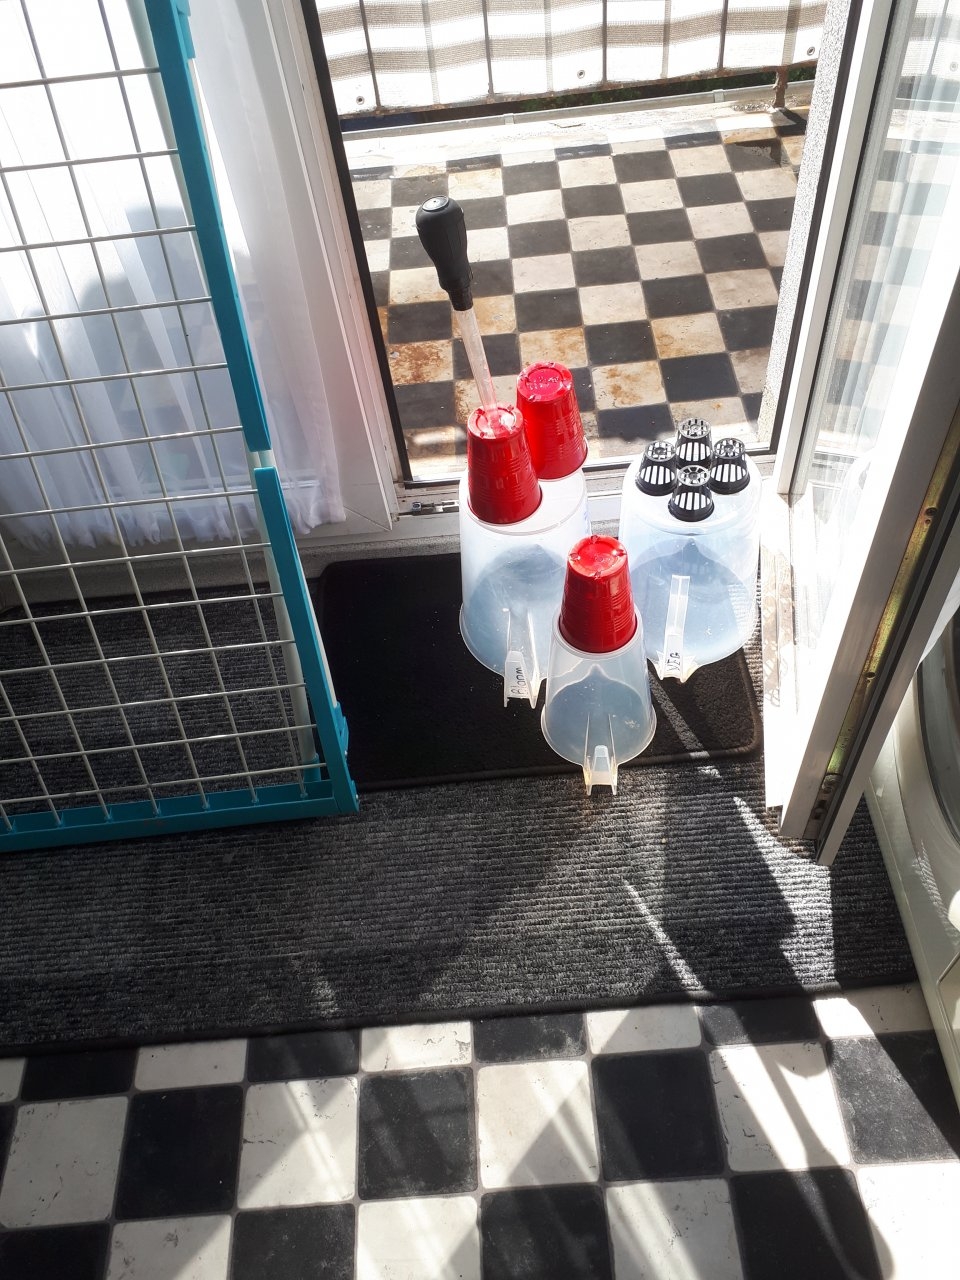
{"type": "Point", "coordinates": [159, 662]}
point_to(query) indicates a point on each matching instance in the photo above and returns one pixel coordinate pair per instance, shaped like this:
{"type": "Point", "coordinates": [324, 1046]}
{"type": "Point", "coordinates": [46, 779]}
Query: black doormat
{"type": "Point", "coordinates": [421, 709]}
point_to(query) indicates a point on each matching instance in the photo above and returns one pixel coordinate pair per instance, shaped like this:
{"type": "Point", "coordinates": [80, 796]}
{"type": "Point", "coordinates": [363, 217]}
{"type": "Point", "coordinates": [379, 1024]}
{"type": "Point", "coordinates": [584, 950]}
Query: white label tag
{"type": "Point", "coordinates": [516, 678]}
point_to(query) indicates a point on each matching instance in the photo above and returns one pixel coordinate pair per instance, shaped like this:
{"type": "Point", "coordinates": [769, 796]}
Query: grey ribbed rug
{"type": "Point", "coordinates": [454, 899]}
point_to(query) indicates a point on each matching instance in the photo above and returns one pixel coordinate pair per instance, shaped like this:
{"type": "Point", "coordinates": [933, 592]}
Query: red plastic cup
{"type": "Point", "coordinates": [548, 402]}
{"type": "Point", "coordinates": [501, 482]}
{"type": "Point", "coordinates": [597, 614]}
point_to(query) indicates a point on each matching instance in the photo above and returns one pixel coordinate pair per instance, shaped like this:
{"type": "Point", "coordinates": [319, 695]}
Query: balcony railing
{"type": "Point", "coordinates": [416, 55]}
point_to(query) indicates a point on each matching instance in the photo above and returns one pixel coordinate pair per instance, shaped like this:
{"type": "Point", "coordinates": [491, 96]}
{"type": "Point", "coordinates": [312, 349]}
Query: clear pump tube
{"type": "Point", "coordinates": [473, 345]}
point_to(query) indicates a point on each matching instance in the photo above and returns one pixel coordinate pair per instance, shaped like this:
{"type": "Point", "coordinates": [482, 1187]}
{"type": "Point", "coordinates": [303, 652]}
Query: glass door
{"type": "Point", "coordinates": [868, 473]}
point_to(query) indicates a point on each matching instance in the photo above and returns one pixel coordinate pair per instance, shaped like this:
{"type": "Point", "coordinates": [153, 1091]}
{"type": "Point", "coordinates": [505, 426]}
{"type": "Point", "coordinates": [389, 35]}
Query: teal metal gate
{"type": "Point", "coordinates": [138, 693]}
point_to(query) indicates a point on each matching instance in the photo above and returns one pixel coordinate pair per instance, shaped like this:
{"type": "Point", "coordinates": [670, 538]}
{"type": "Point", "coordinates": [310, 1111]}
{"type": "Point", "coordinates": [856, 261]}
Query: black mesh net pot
{"type": "Point", "coordinates": [694, 444]}
{"type": "Point", "coordinates": [691, 499]}
{"type": "Point", "coordinates": [728, 471]}
{"type": "Point", "coordinates": [658, 469]}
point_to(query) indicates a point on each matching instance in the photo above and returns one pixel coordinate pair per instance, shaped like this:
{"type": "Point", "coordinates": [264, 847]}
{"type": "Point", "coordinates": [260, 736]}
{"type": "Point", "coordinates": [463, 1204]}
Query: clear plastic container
{"type": "Point", "coordinates": [512, 578]}
{"type": "Point", "coordinates": [598, 711]}
{"type": "Point", "coordinates": [694, 580]}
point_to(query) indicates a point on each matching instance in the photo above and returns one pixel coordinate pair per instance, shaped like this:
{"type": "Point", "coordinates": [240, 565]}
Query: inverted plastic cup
{"type": "Point", "coordinates": [548, 402]}
{"type": "Point", "coordinates": [502, 482]}
{"type": "Point", "coordinates": [514, 537]}
{"type": "Point", "coordinates": [598, 711]}
{"type": "Point", "coordinates": [693, 559]}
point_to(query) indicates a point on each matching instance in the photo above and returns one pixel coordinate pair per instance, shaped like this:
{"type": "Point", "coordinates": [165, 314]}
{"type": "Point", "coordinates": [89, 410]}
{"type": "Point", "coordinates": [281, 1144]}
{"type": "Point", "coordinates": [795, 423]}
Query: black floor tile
{"type": "Point", "coordinates": [659, 226]}
{"type": "Point", "coordinates": [584, 149]}
{"type": "Point", "coordinates": [710, 188]}
{"type": "Point", "coordinates": [376, 224]}
{"type": "Point", "coordinates": [8, 1117]}
{"type": "Point", "coordinates": [533, 239]}
{"type": "Point", "coordinates": [642, 166]}
{"type": "Point", "coordinates": [78, 1075]}
{"type": "Point", "coordinates": [181, 1152]}
{"type": "Point", "coordinates": [605, 266]}
{"type": "Point", "coordinates": [417, 1134]}
{"type": "Point", "coordinates": [425, 404]}
{"type": "Point", "coordinates": [410, 191]}
{"type": "Point", "coordinates": [635, 422]}
{"type": "Point", "coordinates": [895, 1097]}
{"type": "Point", "coordinates": [583, 385]}
{"type": "Point", "coordinates": [767, 1021]}
{"type": "Point", "coordinates": [469, 163]}
{"type": "Point", "coordinates": [489, 211]}
{"type": "Point", "coordinates": [56, 1253]}
{"type": "Point", "coordinates": [771, 215]}
{"type": "Point", "coordinates": [491, 279]}
{"type": "Point", "coordinates": [763, 153]}
{"type": "Point", "coordinates": [677, 296]}
{"type": "Point", "coordinates": [303, 1055]}
{"type": "Point", "coordinates": [419, 322]}
{"type": "Point", "coordinates": [540, 176]}
{"type": "Point", "coordinates": [731, 253]}
{"type": "Point", "coordinates": [797, 1225]}
{"type": "Point", "coordinates": [592, 202]}
{"type": "Point", "coordinates": [622, 343]}
{"type": "Point", "coordinates": [547, 1035]}
{"type": "Point", "coordinates": [704, 137]}
{"type": "Point", "coordinates": [751, 405]}
{"type": "Point", "coordinates": [747, 327]}
{"type": "Point", "coordinates": [777, 274]}
{"type": "Point", "coordinates": [536, 1233]}
{"type": "Point", "coordinates": [699, 377]}
{"type": "Point", "coordinates": [311, 1243]}
{"type": "Point", "coordinates": [381, 287]}
{"type": "Point", "coordinates": [656, 1116]}
{"type": "Point", "coordinates": [503, 355]}
{"type": "Point", "coordinates": [549, 309]}
{"type": "Point", "coordinates": [407, 252]}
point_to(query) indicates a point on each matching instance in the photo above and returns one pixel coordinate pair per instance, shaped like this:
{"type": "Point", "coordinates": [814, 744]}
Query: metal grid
{"type": "Point", "coordinates": [130, 674]}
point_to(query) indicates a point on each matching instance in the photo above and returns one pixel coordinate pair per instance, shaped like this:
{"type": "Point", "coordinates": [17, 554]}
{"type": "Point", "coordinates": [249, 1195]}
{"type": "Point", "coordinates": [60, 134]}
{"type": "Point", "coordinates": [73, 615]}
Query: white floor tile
{"type": "Point", "coordinates": [673, 1231]}
{"type": "Point", "coordinates": [659, 1026]}
{"type": "Point", "coordinates": [184, 1066]}
{"type": "Point", "coordinates": [777, 1106]}
{"type": "Point", "coordinates": [11, 1073]}
{"type": "Point", "coordinates": [63, 1162]}
{"type": "Point", "coordinates": [432, 1044]}
{"type": "Point", "coordinates": [170, 1249]}
{"type": "Point", "coordinates": [299, 1143]}
{"type": "Point", "coordinates": [874, 1009]}
{"type": "Point", "coordinates": [412, 1239]}
{"type": "Point", "coordinates": [535, 1124]}
{"type": "Point", "coordinates": [912, 1212]}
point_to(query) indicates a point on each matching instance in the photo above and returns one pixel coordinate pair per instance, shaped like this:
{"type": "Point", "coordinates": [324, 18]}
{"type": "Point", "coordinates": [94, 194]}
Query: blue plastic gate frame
{"type": "Point", "coordinates": [327, 787]}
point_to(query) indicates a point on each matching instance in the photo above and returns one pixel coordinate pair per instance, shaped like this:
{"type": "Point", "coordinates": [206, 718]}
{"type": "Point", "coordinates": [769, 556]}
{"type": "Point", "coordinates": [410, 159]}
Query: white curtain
{"type": "Point", "coordinates": [67, 305]}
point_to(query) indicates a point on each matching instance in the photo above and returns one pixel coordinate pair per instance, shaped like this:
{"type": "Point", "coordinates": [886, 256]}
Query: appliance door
{"type": "Point", "coordinates": [859, 547]}
{"type": "Point", "coordinates": [914, 799]}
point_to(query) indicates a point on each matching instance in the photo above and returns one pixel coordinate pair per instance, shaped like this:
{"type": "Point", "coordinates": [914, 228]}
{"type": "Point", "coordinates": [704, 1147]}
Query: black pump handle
{"type": "Point", "coordinates": [443, 233]}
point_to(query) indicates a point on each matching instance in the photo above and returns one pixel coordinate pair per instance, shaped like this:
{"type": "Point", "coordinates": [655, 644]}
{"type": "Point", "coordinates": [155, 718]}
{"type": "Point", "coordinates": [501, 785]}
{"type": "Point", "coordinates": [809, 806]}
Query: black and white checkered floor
{"type": "Point", "coordinates": [649, 264]}
{"type": "Point", "coordinates": [774, 1138]}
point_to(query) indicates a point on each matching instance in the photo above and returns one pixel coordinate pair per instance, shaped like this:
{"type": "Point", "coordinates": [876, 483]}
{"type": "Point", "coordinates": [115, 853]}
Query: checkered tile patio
{"type": "Point", "coordinates": [650, 266]}
{"type": "Point", "coordinates": [785, 1138]}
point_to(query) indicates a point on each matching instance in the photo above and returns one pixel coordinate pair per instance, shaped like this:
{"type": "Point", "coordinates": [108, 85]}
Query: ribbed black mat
{"type": "Point", "coordinates": [452, 900]}
{"type": "Point", "coordinates": [442, 901]}
{"type": "Point", "coordinates": [390, 628]}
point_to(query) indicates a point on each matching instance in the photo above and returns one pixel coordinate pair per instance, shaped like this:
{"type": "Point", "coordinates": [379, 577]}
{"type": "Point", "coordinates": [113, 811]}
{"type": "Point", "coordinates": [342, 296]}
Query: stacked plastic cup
{"type": "Point", "coordinates": [693, 539]}
{"type": "Point", "coordinates": [598, 711]}
{"type": "Point", "coordinates": [514, 537]}
{"type": "Point", "coordinates": [548, 401]}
